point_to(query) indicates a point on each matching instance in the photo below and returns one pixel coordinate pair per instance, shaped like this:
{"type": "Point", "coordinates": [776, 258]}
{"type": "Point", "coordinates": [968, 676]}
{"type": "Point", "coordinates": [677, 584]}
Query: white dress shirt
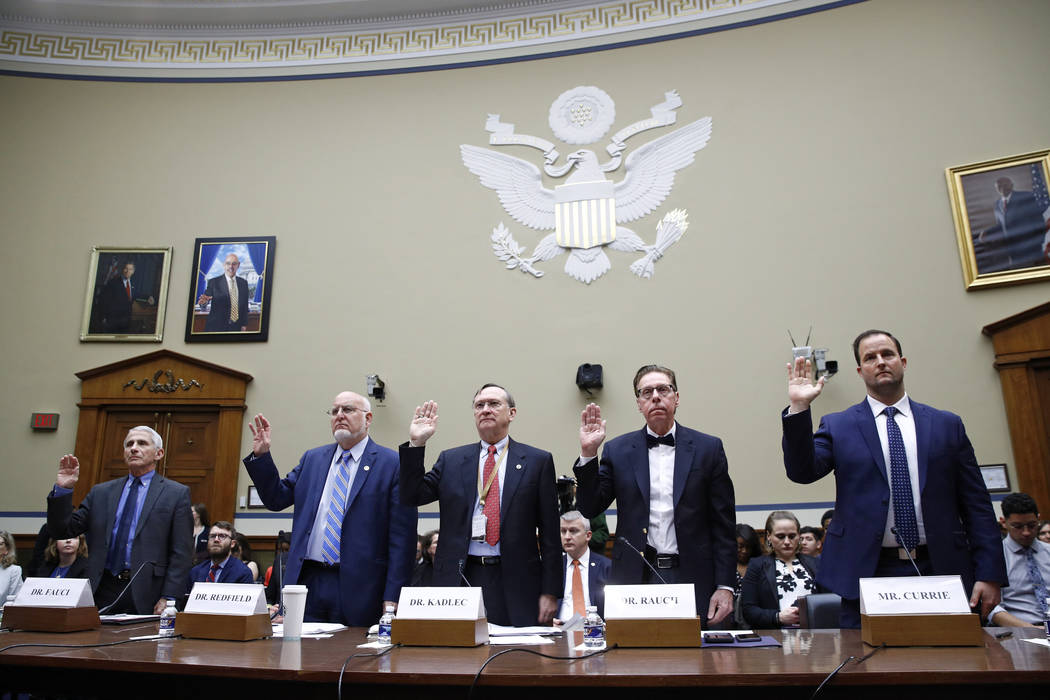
{"type": "Point", "coordinates": [906, 422]}
{"type": "Point", "coordinates": [484, 549]}
{"type": "Point", "coordinates": [661, 534]}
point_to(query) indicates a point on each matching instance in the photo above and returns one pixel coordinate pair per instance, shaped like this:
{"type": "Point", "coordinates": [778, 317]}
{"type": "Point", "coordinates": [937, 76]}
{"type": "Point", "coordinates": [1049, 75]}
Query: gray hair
{"type": "Point", "coordinates": [570, 515]}
{"type": "Point", "coordinates": [158, 441]}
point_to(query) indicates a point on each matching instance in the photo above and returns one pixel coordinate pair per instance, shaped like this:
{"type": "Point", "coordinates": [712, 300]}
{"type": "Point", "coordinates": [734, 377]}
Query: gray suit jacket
{"type": "Point", "coordinates": [163, 535]}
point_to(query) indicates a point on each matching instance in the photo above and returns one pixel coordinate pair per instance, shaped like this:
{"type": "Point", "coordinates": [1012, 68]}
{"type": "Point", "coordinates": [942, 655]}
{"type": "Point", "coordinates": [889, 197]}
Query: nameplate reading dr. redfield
{"type": "Point", "coordinates": [913, 595]}
{"type": "Point", "coordinates": [657, 601]}
{"type": "Point", "coordinates": [440, 603]}
{"type": "Point", "coordinates": [55, 593]}
{"type": "Point", "coordinates": [227, 598]}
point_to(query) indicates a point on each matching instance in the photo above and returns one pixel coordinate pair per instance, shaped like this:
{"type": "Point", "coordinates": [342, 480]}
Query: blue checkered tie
{"type": "Point", "coordinates": [900, 483]}
{"type": "Point", "coordinates": [1037, 579]}
{"type": "Point", "coordinates": [115, 556]}
{"type": "Point", "coordinates": [333, 525]}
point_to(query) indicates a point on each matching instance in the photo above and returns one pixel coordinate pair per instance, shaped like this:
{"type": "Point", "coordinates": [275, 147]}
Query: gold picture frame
{"type": "Point", "coordinates": [126, 312]}
{"type": "Point", "coordinates": [1002, 245]}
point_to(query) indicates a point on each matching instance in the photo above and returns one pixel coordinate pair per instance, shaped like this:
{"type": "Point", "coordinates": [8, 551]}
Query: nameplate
{"type": "Point", "coordinates": [440, 603]}
{"type": "Point", "coordinates": [227, 598]}
{"type": "Point", "coordinates": [55, 593]}
{"type": "Point", "coordinates": [913, 595]}
{"type": "Point", "coordinates": [674, 600]}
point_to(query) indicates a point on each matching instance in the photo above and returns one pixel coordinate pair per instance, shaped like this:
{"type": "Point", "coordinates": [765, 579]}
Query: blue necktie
{"type": "Point", "coordinates": [900, 484]}
{"type": "Point", "coordinates": [333, 525]}
{"type": "Point", "coordinates": [115, 556]}
{"type": "Point", "coordinates": [1037, 579]}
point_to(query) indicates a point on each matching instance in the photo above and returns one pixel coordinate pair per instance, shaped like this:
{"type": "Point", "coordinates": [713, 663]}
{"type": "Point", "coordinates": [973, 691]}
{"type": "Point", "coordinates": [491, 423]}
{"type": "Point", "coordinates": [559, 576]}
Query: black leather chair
{"type": "Point", "coordinates": [819, 611]}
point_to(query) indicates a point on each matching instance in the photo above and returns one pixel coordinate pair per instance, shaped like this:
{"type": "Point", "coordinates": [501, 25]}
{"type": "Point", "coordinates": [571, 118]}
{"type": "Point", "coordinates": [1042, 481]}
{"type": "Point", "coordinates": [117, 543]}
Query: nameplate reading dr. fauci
{"type": "Point", "coordinates": [227, 598]}
{"type": "Point", "coordinates": [55, 593]}
{"type": "Point", "coordinates": [913, 595]}
{"type": "Point", "coordinates": [655, 601]}
{"type": "Point", "coordinates": [440, 603]}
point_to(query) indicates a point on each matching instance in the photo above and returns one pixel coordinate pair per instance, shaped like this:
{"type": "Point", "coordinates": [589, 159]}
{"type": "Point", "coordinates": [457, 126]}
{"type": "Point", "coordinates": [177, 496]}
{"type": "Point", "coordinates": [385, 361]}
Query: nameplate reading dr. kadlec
{"type": "Point", "coordinates": [913, 595]}
{"type": "Point", "coordinates": [440, 603]}
{"type": "Point", "coordinates": [227, 598]}
{"type": "Point", "coordinates": [653, 601]}
{"type": "Point", "coordinates": [55, 593]}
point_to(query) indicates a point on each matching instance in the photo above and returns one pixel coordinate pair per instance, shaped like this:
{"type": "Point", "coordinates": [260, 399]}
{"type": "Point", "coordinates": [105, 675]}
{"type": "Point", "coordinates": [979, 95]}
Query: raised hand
{"type": "Point", "coordinates": [801, 387]}
{"type": "Point", "coordinates": [424, 424]}
{"type": "Point", "coordinates": [260, 428]}
{"type": "Point", "coordinates": [68, 472]}
{"type": "Point", "coordinates": [592, 430]}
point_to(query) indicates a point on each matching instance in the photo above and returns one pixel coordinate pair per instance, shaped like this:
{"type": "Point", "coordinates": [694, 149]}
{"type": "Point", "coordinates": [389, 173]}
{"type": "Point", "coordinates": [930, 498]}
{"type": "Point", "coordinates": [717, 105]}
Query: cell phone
{"type": "Point", "coordinates": [718, 638]}
{"type": "Point", "coordinates": [749, 637]}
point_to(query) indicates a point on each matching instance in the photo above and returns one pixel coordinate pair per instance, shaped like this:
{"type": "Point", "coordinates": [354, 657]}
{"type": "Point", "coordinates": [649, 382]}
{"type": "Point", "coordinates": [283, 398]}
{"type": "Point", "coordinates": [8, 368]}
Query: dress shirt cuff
{"type": "Point", "coordinates": [727, 588]}
{"type": "Point", "coordinates": [59, 492]}
{"type": "Point", "coordinates": [585, 460]}
{"type": "Point", "coordinates": [995, 611]}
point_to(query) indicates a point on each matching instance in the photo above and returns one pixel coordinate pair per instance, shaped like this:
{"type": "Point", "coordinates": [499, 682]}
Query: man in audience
{"type": "Point", "coordinates": [353, 540]}
{"type": "Point", "coordinates": [137, 524]}
{"type": "Point", "coordinates": [220, 567]}
{"type": "Point", "coordinates": [673, 494]}
{"type": "Point", "coordinates": [906, 482]}
{"type": "Point", "coordinates": [825, 519]}
{"type": "Point", "coordinates": [584, 572]}
{"type": "Point", "coordinates": [1027, 564]}
{"type": "Point", "coordinates": [811, 540]}
{"type": "Point", "coordinates": [493, 497]}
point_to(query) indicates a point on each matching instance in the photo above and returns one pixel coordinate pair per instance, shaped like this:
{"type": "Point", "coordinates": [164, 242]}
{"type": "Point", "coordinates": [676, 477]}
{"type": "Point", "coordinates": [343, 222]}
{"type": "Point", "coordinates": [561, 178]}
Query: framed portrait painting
{"type": "Point", "coordinates": [231, 290]}
{"type": "Point", "coordinates": [127, 294]}
{"type": "Point", "coordinates": [1001, 210]}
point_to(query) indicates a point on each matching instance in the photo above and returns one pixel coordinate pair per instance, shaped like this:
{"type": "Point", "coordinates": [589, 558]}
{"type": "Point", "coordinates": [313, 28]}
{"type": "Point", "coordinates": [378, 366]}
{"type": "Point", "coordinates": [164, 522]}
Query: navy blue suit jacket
{"type": "Point", "coordinates": [961, 530]}
{"type": "Point", "coordinates": [759, 598]}
{"type": "Point", "coordinates": [378, 545]}
{"type": "Point", "coordinates": [597, 577]}
{"type": "Point", "coordinates": [704, 508]}
{"type": "Point", "coordinates": [1023, 228]}
{"type": "Point", "coordinates": [529, 503]}
{"type": "Point", "coordinates": [235, 571]}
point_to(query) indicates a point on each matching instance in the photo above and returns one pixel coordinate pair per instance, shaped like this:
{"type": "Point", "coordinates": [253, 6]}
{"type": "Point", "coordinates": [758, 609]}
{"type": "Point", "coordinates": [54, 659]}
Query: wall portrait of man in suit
{"type": "Point", "coordinates": [230, 292]}
{"type": "Point", "coordinates": [127, 294]}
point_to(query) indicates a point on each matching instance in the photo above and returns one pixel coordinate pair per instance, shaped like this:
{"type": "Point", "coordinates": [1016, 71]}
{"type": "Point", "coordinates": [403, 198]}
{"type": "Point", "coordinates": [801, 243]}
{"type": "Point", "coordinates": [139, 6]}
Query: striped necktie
{"type": "Point", "coordinates": [333, 526]}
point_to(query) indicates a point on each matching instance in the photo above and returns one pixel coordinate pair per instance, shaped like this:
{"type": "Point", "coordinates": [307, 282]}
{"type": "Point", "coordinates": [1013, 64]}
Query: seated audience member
{"type": "Point", "coordinates": [826, 518]}
{"type": "Point", "coordinates": [274, 572]}
{"type": "Point", "coordinates": [420, 546]}
{"type": "Point", "coordinates": [10, 572]}
{"type": "Point", "coordinates": [423, 574]}
{"type": "Point", "coordinates": [748, 547]}
{"type": "Point", "coordinates": [584, 572]}
{"type": "Point", "coordinates": [65, 559]}
{"type": "Point", "coordinates": [222, 566]}
{"type": "Point", "coordinates": [811, 540]}
{"type": "Point", "coordinates": [43, 539]}
{"type": "Point", "coordinates": [774, 582]}
{"type": "Point", "coordinates": [1044, 531]}
{"type": "Point", "coordinates": [201, 527]}
{"type": "Point", "coordinates": [243, 551]}
{"type": "Point", "coordinates": [1027, 565]}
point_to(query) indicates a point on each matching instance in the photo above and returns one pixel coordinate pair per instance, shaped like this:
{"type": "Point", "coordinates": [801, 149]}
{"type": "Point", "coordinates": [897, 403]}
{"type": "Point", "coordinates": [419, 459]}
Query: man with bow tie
{"type": "Point", "coordinates": [673, 493]}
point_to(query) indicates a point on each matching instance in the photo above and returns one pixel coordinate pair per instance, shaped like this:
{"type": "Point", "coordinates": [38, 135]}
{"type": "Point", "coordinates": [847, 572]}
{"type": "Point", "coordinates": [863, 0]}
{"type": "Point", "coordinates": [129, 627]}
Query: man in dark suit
{"type": "Point", "coordinates": [1019, 218]}
{"type": "Point", "coordinates": [583, 572]}
{"type": "Point", "coordinates": [141, 521]}
{"type": "Point", "coordinates": [493, 498]}
{"type": "Point", "coordinates": [228, 295]}
{"type": "Point", "coordinates": [115, 301]}
{"type": "Point", "coordinates": [906, 481]}
{"type": "Point", "coordinates": [673, 493]}
{"type": "Point", "coordinates": [353, 539]}
{"type": "Point", "coordinates": [220, 566]}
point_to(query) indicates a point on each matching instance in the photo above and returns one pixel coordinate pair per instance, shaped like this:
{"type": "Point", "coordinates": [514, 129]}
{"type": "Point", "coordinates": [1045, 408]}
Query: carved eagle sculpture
{"type": "Point", "coordinates": [650, 171]}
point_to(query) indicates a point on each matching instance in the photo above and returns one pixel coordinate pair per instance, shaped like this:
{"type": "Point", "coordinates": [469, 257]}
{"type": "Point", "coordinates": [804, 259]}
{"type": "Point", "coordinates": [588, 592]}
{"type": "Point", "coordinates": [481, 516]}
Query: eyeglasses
{"type": "Point", "coordinates": [664, 390]}
{"type": "Point", "coordinates": [220, 536]}
{"type": "Point", "coordinates": [347, 410]}
{"type": "Point", "coordinates": [1024, 526]}
{"type": "Point", "coordinates": [480, 406]}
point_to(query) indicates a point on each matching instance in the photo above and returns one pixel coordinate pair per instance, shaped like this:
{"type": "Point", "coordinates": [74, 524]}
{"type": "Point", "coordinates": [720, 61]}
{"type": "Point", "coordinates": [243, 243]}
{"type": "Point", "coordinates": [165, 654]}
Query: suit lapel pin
{"type": "Point", "coordinates": [367, 467]}
{"type": "Point", "coordinates": [518, 467]}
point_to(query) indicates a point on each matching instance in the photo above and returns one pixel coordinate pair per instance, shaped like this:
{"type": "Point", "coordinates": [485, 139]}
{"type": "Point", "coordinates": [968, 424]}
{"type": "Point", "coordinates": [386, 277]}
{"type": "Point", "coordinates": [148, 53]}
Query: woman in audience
{"type": "Point", "coordinates": [243, 551]}
{"type": "Point", "coordinates": [774, 582]}
{"type": "Point", "coordinates": [423, 575]}
{"type": "Point", "coordinates": [1044, 531]}
{"type": "Point", "coordinates": [748, 547]}
{"type": "Point", "coordinates": [201, 528]}
{"type": "Point", "coordinates": [65, 559]}
{"type": "Point", "coordinates": [10, 572]}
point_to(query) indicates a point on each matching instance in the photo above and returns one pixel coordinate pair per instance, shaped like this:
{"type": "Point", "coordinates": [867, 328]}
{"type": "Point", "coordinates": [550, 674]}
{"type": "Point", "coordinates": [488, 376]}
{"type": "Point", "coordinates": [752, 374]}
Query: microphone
{"type": "Point", "coordinates": [462, 575]}
{"type": "Point", "coordinates": [651, 567]}
{"type": "Point", "coordinates": [280, 571]}
{"type": "Point", "coordinates": [126, 587]}
{"type": "Point", "coordinates": [907, 551]}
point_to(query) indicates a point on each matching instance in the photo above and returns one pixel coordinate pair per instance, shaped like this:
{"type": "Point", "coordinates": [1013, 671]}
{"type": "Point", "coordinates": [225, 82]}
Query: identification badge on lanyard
{"type": "Point", "coordinates": [478, 524]}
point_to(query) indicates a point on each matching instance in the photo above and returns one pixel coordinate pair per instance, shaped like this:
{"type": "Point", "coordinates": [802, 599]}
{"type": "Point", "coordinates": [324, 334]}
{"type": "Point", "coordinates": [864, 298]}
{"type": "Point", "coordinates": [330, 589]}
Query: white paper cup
{"type": "Point", "coordinates": [294, 608]}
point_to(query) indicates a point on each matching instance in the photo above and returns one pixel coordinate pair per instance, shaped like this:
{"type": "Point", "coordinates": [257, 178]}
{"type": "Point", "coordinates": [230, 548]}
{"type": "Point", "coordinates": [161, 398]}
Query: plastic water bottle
{"type": "Point", "coordinates": [166, 628]}
{"type": "Point", "coordinates": [384, 626]}
{"type": "Point", "coordinates": [593, 629]}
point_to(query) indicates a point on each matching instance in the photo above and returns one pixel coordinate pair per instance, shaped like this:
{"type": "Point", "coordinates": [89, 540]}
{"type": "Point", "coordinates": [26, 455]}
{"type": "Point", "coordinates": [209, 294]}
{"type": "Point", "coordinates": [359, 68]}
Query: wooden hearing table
{"type": "Point", "coordinates": [202, 669]}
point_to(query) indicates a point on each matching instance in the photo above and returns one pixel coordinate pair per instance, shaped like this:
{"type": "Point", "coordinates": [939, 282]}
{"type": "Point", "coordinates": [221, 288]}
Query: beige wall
{"type": "Point", "coordinates": [819, 199]}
